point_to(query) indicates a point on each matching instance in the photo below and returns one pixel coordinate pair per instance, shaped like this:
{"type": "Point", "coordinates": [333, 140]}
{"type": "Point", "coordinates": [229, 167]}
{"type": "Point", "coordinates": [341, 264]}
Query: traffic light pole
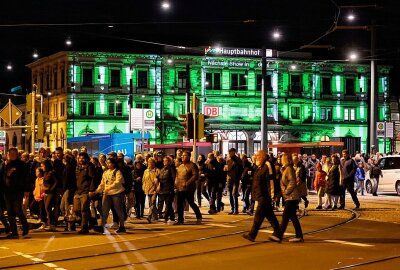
{"type": "Point", "coordinates": [194, 109]}
{"type": "Point", "coordinates": [33, 121]}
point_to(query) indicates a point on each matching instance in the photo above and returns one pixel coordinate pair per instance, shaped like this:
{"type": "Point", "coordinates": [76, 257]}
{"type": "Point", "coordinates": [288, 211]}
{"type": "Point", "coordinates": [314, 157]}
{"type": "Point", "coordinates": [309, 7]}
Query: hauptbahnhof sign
{"type": "Point", "coordinates": [239, 52]}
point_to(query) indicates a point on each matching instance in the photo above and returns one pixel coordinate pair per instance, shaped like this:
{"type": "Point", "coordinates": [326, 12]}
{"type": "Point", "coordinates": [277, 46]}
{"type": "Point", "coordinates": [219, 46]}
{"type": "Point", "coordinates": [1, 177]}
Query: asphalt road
{"type": "Point", "coordinates": [333, 240]}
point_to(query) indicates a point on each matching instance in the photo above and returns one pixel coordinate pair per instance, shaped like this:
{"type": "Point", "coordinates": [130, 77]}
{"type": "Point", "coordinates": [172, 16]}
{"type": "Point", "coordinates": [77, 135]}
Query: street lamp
{"type": "Point", "coordinates": [165, 5]}
{"type": "Point", "coordinates": [9, 67]}
{"type": "Point", "coordinates": [35, 54]}
{"type": "Point", "coordinates": [68, 41]}
{"type": "Point", "coordinates": [353, 56]}
{"type": "Point", "coordinates": [276, 35]}
{"type": "Point", "coordinates": [351, 17]}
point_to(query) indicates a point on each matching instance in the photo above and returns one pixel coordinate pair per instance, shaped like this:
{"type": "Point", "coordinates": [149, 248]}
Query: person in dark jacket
{"type": "Point", "coordinates": [85, 174]}
{"type": "Point", "coordinates": [69, 185]}
{"type": "Point", "coordinates": [234, 169]}
{"type": "Point", "coordinates": [3, 218]}
{"type": "Point", "coordinates": [140, 197]}
{"type": "Point", "coordinates": [246, 182]}
{"type": "Point", "coordinates": [59, 171]}
{"type": "Point", "coordinates": [166, 193]}
{"type": "Point", "coordinates": [261, 194]}
{"type": "Point", "coordinates": [50, 185]}
{"type": "Point", "coordinates": [200, 184]}
{"type": "Point", "coordinates": [16, 185]}
{"type": "Point", "coordinates": [185, 184]}
{"type": "Point", "coordinates": [333, 189]}
{"type": "Point", "coordinates": [349, 168]}
{"type": "Point", "coordinates": [214, 173]}
{"type": "Point", "coordinates": [96, 200]}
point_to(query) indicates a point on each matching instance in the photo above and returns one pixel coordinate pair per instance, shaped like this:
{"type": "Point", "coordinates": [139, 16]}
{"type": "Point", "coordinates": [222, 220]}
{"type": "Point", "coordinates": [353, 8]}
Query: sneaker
{"type": "Point", "coordinates": [357, 206]}
{"type": "Point", "coordinates": [25, 231]}
{"type": "Point", "coordinates": [149, 219]}
{"type": "Point", "coordinates": [83, 231]}
{"type": "Point", "coordinates": [121, 230]}
{"type": "Point", "coordinates": [198, 221]}
{"type": "Point", "coordinates": [334, 207]}
{"type": "Point", "coordinates": [178, 223]}
{"type": "Point", "coordinates": [306, 204]}
{"type": "Point", "coordinates": [248, 237]}
{"type": "Point", "coordinates": [274, 238]}
{"type": "Point", "coordinates": [12, 236]}
{"type": "Point", "coordinates": [42, 228]}
{"type": "Point", "coordinates": [329, 207]}
{"type": "Point", "coordinates": [319, 207]}
{"type": "Point", "coordinates": [296, 240]}
{"type": "Point", "coordinates": [341, 207]}
{"type": "Point", "coordinates": [99, 229]}
{"type": "Point", "coordinates": [250, 213]}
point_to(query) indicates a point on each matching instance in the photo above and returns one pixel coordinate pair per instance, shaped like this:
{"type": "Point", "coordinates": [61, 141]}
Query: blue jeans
{"type": "Point", "coordinates": [117, 202]}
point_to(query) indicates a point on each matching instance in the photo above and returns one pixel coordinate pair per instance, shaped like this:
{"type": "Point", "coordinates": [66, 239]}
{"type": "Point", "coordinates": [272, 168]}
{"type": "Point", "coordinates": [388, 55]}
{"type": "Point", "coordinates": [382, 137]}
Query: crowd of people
{"type": "Point", "coordinates": [72, 189]}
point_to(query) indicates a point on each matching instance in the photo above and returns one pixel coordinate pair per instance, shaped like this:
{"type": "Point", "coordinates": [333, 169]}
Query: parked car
{"type": "Point", "coordinates": [390, 181]}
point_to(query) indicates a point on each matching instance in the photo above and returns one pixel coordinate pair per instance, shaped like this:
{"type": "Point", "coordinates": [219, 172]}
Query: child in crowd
{"type": "Point", "coordinates": [360, 176]}
{"type": "Point", "coordinates": [38, 194]}
{"type": "Point", "coordinates": [320, 183]}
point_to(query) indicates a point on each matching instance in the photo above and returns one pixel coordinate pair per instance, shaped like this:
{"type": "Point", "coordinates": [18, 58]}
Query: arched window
{"type": "Point", "coordinates": [86, 131]}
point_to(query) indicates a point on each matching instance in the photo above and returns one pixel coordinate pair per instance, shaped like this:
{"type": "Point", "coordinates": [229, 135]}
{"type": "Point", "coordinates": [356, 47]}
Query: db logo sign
{"type": "Point", "coordinates": [211, 111]}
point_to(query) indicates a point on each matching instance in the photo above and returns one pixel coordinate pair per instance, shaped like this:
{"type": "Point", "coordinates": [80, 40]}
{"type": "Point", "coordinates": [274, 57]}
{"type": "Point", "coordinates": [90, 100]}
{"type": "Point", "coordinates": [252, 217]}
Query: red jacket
{"type": "Point", "coordinates": [320, 180]}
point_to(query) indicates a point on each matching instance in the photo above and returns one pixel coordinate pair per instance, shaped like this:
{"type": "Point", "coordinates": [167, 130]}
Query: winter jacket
{"type": "Point", "coordinates": [213, 172]}
{"type": "Point", "coordinates": [38, 192]}
{"type": "Point", "coordinates": [320, 180]}
{"type": "Point", "coordinates": [166, 180]}
{"type": "Point", "coordinates": [289, 188]}
{"type": "Point", "coordinates": [16, 177]}
{"type": "Point", "coordinates": [333, 183]}
{"type": "Point", "coordinates": [261, 189]}
{"type": "Point", "coordinates": [150, 180]}
{"type": "Point", "coordinates": [50, 182]}
{"type": "Point", "coordinates": [301, 179]}
{"type": "Point", "coordinates": [186, 177]}
{"type": "Point", "coordinates": [85, 179]}
{"type": "Point", "coordinates": [59, 171]}
{"type": "Point", "coordinates": [113, 181]}
{"type": "Point", "coordinates": [360, 174]}
{"type": "Point", "coordinates": [235, 168]}
{"type": "Point", "coordinates": [348, 168]}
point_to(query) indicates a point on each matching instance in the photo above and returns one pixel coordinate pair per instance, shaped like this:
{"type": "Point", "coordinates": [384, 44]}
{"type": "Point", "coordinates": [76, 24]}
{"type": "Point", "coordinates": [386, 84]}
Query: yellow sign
{"type": "Point", "coordinates": [10, 113]}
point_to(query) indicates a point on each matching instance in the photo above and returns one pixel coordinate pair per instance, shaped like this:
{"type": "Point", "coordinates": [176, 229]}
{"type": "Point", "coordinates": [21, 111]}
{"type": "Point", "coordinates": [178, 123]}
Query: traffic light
{"type": "Point", "coordinates": [40, 125]}
{"type": "Point", "coordinates": [187, 125]}
{"type": "Point", "coordinates": [201, 125]}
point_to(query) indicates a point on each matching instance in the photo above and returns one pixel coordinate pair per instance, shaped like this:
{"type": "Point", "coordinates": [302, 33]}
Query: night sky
{"type": "Point", "coordinates": [29, 25]}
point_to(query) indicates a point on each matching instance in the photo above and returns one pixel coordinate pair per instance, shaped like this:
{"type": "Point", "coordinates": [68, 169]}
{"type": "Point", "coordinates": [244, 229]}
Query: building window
{"type": "Point", "coordinates": [182, 79]}
{"type": "Point", "coordinates": [257, 147]}
{"type": "Point", "coordinates": [142, 106]}
{"type": "Point", "coordinates": [62, 78]}
{"type": "Point", "coordinates": [295, 83]}
{"type": "Point", "coordinates": [55, 80]}
{"type": "Point", "coordinates": [142, 79]}
{"type": "Point", "coordinates": [268, 82]}
{"type": "Point", "coordinates": [238, 81]}
{"type": "Point", "coordinates": [213, 81]}
{"type": "Point", "coordinates": [350, 87]}
{"type": "Point", "coordinates": [295, 112]}
{"type": "Point", "coordinates": [87, 80]}
{"type": "Point", "coordinates": [349, 114]}
{"type": "Point", "coordinates": [87, 108]}
{"type": "Point", "coordinates": [62, 109]}
{"type": "Point", "coordinates": [115, 109]}
{"type": "Point", "coordinates": [326, 114]}
{"type": "Point", "coordinates": [55, 110]}
{"type": "Point", "coordinates": [115, 78]}
{"type": "Point", "coordinates": [326, 86]}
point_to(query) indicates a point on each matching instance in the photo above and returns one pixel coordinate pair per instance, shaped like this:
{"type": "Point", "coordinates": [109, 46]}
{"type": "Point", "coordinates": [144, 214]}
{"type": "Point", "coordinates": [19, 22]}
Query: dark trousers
{"type": "Point", "coordinates": [246, 191]}
{"type": "Point", "coordinates": [201, 189]}
{"type": "Point", "coordinates": [264, 210]}
{"type": "Point", "coordinates": [42, 211]}
{"type": "Point", "coordinates": [167, 199]}
{"type": "Point", "coordinates": [188, 196]}
{"type": "Point", "coordinates": [50, 206]}
{"type": "Point", "coordinates": [140, 199]}
{"type": "Point", "coordinates": [82, 207]}
{"type": "Point", "coordinates": [233, 188]}
{"type": "Point", "coordinates": [349, 186]}
{"type": "Point", "coordinates": [290, 214]}
{"type": "Point", "coordinates": [117, 201]}
{"type": "Point", "coordinates": [14, 209]}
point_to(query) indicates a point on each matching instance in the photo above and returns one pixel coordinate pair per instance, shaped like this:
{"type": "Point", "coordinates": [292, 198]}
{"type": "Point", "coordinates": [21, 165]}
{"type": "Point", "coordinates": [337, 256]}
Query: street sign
{"type": "Point", "coordinates": [384, 130]}
{"type": "Point", "coordinates": [389, 130]}
{"type": "Point", "coordinates": [211, 111]}
{"type": "Point", "coordinates": [380, 129]}
{"type": "Point", "coordinates": [10, 113]}
{"type": "Point", "coordinates": [2, 136]}
{"type": "Point", "coordinates": [143, 119]}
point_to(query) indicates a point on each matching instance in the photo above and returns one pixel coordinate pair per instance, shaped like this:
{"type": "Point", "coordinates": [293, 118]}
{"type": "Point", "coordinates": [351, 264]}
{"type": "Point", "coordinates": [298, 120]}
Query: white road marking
{"type": "Point", "coordinates": [4, 248]}
{"type": "Point", "coordinates": [37, 260]}
{"type": "Point", "coordinates": [349, 243]}
{"type": "Point", "coordinates": [269, 231]}
{"type": "Point", "coordinates": [27, 256]}
{"type": "Point", "coordinates": [220, 225]}
{"type": "Point", "coordinates": [52, 265]}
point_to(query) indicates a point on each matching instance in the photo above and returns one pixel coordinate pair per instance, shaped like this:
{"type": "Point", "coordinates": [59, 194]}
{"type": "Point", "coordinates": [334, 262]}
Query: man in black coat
{"type": "Point", "coordinates": [261, 194]}
{"type": "Point", "coordinates": [234, 169]}
{"type": "Point", "coordinates": [349, 168]}
{"type": "Point", "coordinates": [16, 185]}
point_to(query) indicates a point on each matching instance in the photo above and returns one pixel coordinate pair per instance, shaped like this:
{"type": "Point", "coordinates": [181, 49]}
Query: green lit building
{"type": "Point", "coordinates": [307, 101]}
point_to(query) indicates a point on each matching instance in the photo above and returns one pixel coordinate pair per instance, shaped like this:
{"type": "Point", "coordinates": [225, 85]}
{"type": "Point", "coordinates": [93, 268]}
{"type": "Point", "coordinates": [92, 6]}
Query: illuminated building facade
{"type": "Point", "coordinates": [307, 101]}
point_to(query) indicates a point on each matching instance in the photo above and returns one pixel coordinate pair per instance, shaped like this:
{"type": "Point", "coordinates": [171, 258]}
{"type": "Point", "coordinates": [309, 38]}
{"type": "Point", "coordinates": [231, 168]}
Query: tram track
{"type": "Point", "coordinates": [353, 217]}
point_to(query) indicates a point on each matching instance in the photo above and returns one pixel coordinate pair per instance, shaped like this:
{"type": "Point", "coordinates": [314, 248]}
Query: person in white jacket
{"type": "Point", "coordinates": [151, 188]}
{"type": "Point", "coordinates": [113, 194]}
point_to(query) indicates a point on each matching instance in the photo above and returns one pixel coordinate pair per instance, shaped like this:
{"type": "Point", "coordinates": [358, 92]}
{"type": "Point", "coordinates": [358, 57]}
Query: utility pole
{"type": "Point", "coordinates": [194, 109]}
{"type": "Point", "coordinates": [33, 120]}
{"type": "Point", "coordinates": [264, 102]}
{"type": "Point", "coordinates": [187, 94]}
{"type": "Point", "coordinates": [373, 95]}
